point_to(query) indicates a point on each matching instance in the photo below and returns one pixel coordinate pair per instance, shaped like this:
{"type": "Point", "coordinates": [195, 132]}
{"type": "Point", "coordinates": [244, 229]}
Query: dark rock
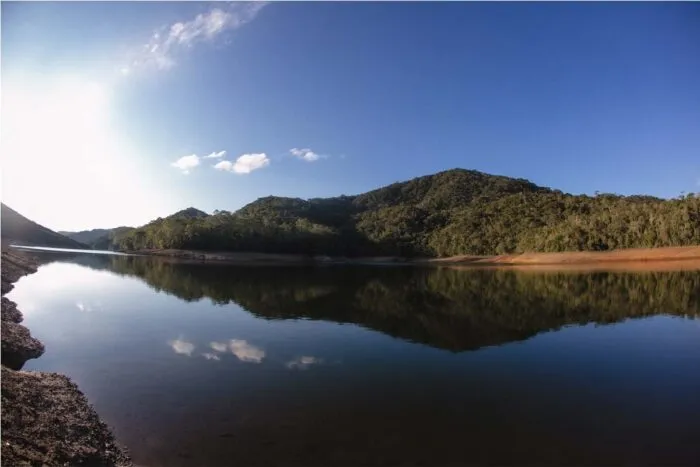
{"type": "Point", "coordinates": [14, 266]}
{"type": "Point", "coordinates": [46, 420]}
{"type": "Point", "coordinates": [10, 312]}
{"type": "Point", "coordinates": [18, 345]}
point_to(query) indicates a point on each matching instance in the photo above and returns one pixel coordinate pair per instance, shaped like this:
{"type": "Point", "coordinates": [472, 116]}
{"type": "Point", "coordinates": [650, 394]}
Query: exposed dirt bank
{"type": "Point", "coordinates": [607, 258]}
{"type": "Point", "coordinates": [46, 420]}
{"type": "Point", "coordinates": [689, 253]}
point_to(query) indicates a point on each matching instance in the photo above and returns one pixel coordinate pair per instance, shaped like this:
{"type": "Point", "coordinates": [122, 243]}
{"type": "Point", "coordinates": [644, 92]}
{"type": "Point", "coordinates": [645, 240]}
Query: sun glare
{"type": "Point", "coordinates": [59, 148]}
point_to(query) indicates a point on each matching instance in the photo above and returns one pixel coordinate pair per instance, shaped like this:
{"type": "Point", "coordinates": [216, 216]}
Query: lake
{"type": "Point", "coordinates": [214, 365]}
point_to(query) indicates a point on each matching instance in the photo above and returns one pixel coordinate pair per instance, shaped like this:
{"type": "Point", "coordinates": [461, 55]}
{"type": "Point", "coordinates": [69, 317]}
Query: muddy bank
{"type": "Point", "coordinates": [637, 255]}
{"type": "Point", "coordinates": [46, 420]}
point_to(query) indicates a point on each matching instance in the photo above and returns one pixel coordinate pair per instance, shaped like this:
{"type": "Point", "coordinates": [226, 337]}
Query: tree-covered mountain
{"type": "Point", "coordinates": [18, 229]}
{"type": "Point", "coordinates": [449, 213]}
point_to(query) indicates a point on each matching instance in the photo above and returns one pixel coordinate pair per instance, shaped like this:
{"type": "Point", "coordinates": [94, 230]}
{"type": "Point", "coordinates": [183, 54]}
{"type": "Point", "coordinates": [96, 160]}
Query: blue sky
{"type": "Point", "coordinates": [579, 97]}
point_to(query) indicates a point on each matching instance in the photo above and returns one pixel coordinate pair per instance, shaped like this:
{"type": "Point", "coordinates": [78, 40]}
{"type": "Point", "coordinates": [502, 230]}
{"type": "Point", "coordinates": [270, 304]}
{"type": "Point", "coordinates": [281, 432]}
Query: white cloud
{"type": "Point", "coordinates": [186, 163]}
{"type": "Point", "coordinates": [302, 363]}
{"type": "Point", "coordinates": [246, 352]}
{"type": "Point", "coordinates": [245, 164]}
{"type": "Point", "coordinates": [162, 49]}
{"type": "Point", "coordinates": [181, 346]}
{"type": "Point", "coordinates": [216, 155]}
{"type": "Point", "coordinates": [306, 154]}
{"type": "Point", "coordinates": [211, 356]}
{"type": "Point", "coordinates": [219, 346]}
{"type": "Point", "coordinates": [224, 165]}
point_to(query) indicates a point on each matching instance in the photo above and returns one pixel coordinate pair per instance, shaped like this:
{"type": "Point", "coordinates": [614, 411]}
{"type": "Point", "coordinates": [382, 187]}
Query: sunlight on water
{"type": "Point", "coordinates": [66, 250]}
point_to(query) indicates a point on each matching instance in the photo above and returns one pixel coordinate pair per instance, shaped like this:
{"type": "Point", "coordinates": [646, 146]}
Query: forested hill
{"type": "Point", "coordinates": [18, 229]}
{"type": "Point", "coordinates": [449, 213]}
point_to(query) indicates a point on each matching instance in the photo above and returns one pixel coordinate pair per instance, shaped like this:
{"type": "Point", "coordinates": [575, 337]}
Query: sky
{"type": "Point", "coordinates": [118, 113]}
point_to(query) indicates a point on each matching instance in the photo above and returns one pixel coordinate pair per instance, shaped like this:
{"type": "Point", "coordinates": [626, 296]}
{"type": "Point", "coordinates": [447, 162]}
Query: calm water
{"type": "Point", "coordinates": [206, 365]}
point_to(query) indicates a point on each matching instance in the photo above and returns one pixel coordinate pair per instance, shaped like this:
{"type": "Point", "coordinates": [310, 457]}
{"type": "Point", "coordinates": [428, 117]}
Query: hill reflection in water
{"type": "Point", "coordinates": [444, 308]}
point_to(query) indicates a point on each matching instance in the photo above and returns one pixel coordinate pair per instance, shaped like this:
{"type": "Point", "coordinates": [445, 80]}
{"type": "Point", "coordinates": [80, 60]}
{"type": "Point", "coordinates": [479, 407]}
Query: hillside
{"type": "Point", "coordinates": [16, 228]}
{"type": "Point", "coordinates": [456, 212]}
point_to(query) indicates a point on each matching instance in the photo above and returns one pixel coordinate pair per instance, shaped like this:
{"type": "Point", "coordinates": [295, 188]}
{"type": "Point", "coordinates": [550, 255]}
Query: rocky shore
{"type": "Point", "coordinates": [46, 420]}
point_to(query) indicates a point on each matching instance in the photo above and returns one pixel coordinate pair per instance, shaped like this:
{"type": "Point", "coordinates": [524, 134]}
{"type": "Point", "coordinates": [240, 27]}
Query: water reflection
{"type": "Point", "coordinates": [219, 365]}
{"type": "Point", "coordinates": [246, 352]}
{"type": "Point", "coordinates": [303, 363]}
{"type": "Point", "coordinates": [444, 308]}
{"type": "Point", "coordinates": [182, 347]}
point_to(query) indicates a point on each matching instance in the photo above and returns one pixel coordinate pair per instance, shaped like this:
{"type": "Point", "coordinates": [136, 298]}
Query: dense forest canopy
{"type": "Point", "coordinates": [449, 213]}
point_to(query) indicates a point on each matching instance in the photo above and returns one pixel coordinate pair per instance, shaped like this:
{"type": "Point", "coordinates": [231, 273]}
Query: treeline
{"type": "Point", "coordinates": [449, 213]}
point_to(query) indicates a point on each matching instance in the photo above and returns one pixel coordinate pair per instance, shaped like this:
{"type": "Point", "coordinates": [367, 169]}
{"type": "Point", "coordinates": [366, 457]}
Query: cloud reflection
{"type": "Point", "coordinates": [242, 349]}
{"type": "Point", "coordinates": [87, 306]}
{"type": "Point", "coordinates": [302, 363]}
{"type": "Point", "coordinates": [182, 346]}
{"type": "Point", "coordinates": [219, 346]}
{"type": "Point", "coordinates": [246, 352]}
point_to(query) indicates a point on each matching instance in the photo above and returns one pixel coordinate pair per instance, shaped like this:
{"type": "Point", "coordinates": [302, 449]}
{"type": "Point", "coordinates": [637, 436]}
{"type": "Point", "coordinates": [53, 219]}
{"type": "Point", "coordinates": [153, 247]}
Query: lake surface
{"type": "Point", "coordinates": [212, 365]}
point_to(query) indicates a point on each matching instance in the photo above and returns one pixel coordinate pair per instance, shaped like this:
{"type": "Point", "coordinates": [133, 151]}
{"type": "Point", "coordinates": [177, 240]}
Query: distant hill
{"type": "Point", "coordinates": [18, 229]}
{"type": "Point", "coordinates": [96, 238]}
{"type": "Point", "coordinates": [88, 237]}
{"type": "Point", "coordinates": [449, 213]}
{"type": "Point", "coordinates": [104, 239]}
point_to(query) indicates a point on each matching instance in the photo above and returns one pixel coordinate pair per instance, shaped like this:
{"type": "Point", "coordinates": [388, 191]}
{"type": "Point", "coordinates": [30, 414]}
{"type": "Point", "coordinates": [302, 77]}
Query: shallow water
{"type": "Point", "coordinates": [207, 365]}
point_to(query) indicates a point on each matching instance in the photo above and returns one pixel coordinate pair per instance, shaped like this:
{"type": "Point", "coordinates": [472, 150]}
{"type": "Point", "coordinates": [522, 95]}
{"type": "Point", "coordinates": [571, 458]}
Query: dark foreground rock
{"type": "Point", "coordinates": [14, 266]}
{"type": "Point", "coordinates": [10, 313]}
{"type": "Point", "coordinates": [46, 420]}
{"type": "Point", "coordinates": [18, 345]}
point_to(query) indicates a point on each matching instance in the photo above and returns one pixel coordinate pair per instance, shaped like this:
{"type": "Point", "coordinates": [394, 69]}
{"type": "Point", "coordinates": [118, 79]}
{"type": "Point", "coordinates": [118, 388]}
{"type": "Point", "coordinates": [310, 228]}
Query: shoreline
{"type": "Point", "coordinates": [46, 419]}
{"type": "Point", "coordinates": [685, 256]}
